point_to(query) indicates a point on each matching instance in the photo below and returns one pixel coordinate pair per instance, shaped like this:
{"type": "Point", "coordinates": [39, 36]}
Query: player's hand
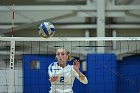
{"type": "Point", "coordinates": [77, 65]}
{"type": "Point", "coordinates": [53, 78]}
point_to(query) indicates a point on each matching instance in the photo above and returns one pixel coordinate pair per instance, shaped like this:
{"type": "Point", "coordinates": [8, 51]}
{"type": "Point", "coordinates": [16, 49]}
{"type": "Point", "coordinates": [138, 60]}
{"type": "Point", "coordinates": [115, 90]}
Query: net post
{"type": "Point", "coordinates": [11, 68]}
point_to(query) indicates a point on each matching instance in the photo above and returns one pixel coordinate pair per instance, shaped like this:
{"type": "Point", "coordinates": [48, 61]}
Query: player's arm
{"type": "Point", "coordinates": [51, 75]}
{"type": "Point", "coordinates": [79, 74]}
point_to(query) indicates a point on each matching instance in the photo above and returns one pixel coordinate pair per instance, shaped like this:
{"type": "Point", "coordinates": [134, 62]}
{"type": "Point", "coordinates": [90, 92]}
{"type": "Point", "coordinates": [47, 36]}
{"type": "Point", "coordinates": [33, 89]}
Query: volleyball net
{"type": "Point", "coordinates": [24, 62]}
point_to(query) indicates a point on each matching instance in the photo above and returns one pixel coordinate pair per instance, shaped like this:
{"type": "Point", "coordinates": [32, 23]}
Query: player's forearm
{"type": "Point", "coordinates": [80, 75]}
{"type": "Point", "coordinates": [82, 78]}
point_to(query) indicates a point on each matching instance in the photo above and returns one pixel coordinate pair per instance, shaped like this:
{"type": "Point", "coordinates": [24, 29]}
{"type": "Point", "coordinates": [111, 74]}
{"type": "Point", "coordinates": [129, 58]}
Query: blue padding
{"type": "Point", "coordinates": [78, 87]}
{"type": "Point", "coordinates": [129, 78]}
{"type": "Point", "coordinates": [36, 80]}
{"type": "Point", "coordinates": [102, 73]}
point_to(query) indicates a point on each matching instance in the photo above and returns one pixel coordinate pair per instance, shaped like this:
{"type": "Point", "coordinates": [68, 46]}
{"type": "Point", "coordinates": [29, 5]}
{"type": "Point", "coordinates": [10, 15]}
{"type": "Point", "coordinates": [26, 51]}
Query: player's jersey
{"type": "Point", "coordinates": [66, 78]}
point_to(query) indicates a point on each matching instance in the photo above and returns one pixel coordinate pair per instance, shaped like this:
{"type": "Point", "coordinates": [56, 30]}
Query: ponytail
{"type": "Point", "coordinates": [70, 57]}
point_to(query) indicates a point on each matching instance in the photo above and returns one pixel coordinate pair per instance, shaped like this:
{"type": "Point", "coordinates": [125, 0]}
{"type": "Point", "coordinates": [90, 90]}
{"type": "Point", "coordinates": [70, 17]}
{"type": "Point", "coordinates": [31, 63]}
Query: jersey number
{"type": "Point", "coordinates": [62, 79]}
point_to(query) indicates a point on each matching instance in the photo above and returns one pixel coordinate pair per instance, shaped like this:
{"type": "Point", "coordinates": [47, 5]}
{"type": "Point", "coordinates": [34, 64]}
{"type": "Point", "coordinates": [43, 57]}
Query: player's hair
{"type": "Point", "coordinates": [70, 57]}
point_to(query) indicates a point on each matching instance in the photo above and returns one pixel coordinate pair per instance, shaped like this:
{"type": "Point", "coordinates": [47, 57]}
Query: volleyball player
{"type": "Point", "coordinates": [62, 74]}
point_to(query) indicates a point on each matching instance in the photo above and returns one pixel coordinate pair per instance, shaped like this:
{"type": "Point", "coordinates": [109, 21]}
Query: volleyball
{"type": "Point", "coordinates": [46, 29]}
